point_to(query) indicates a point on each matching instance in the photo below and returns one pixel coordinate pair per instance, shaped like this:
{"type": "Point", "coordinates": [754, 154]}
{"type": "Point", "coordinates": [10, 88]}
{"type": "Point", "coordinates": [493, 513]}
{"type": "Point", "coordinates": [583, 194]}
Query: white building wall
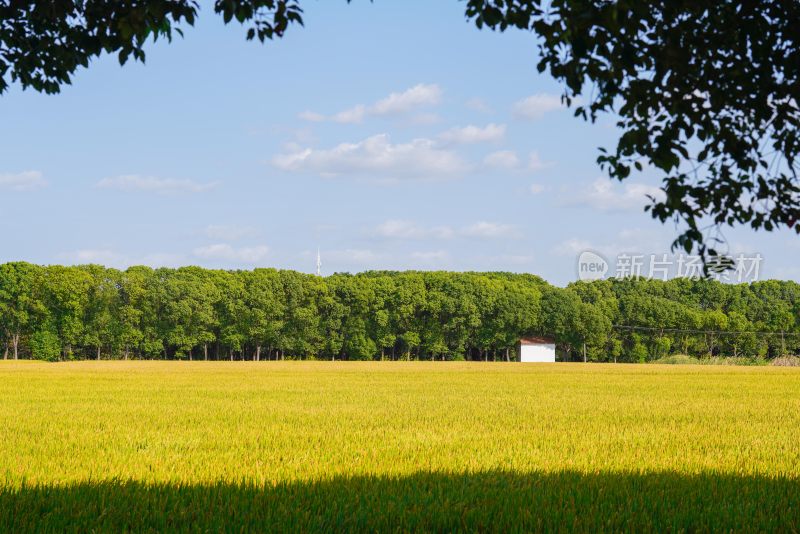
{"type": "Point", "coordinates": [537, 353]}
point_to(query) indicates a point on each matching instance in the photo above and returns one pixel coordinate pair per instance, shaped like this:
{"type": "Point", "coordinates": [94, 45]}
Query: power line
{"type": "Point", "coordinates": [691, 331]}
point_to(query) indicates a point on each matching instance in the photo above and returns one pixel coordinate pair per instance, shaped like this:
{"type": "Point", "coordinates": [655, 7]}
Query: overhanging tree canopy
{"type": "Point", "coordinates": [704, 91]}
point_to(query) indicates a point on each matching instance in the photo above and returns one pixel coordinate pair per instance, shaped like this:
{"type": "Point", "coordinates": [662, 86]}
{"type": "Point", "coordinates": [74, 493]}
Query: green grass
{"type": "Point", "coordinates": [683, 359]}
{"type": "Point", "coordinates": [154, 446]}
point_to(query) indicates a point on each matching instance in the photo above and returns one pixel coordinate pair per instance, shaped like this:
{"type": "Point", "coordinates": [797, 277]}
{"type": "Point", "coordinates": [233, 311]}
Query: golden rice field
{"type": "Point", "coordinates": [298, 446]}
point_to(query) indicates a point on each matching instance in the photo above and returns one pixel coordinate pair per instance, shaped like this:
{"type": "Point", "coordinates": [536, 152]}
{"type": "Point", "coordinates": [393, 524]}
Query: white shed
{"type": "Point", "coordinates": [537, 349]}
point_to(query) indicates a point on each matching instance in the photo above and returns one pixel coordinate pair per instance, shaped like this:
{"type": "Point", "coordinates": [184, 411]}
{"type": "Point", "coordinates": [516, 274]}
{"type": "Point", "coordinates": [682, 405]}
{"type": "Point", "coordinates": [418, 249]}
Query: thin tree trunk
{"type": "Point", "coordinates": [230, 352]}
{"type": "Point", "coordinates": [205, 351]}
{"type": "Point", "coordinates": [15, 341]}
{"type": "Point", "coordinates": [507, 358]}
{"type": "Point", "coordinates": [98, 352]}
{"type": "Point", "coordinates": [584, 352]}
{"type": "Point", "coordinates": [5, 352]}
{"type": "Point", "coordinates": [258, 353]}
{"type": "Point", "coordinates": [126, 352]}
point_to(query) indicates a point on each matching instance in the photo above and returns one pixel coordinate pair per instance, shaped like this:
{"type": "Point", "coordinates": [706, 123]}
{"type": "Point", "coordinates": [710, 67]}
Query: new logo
{"type": "Point", "coordinates": [591, 266]}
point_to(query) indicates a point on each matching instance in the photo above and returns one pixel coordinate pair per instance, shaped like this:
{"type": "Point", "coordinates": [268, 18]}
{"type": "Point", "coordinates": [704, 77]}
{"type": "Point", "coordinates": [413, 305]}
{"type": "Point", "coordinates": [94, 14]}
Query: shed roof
{"type": "Point", "coordinates": [537, 340]}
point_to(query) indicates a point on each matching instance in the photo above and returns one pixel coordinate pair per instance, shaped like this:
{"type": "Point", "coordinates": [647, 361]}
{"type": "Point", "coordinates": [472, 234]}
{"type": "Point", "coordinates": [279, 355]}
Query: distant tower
{"type": "Point", "coordinates": [319, 263]}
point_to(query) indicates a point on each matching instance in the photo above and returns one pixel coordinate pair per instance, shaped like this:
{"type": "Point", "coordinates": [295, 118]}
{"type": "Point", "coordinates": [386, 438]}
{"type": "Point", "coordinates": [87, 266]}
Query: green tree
{"type": "Point", "coordinates": [45, 344]}
{"type": "Point", "coordinates": [102, 301]}
{"type": "Point", "coordinates": [20, 307]}
{"type": "Point", "coordinates": [139, 321]}
{"type": "Point", "coordinates": [406, 311]}
{"type": "Point", "coordinates": [189, 309]}
{"type": "Point", "coordinates": [301, 334]}
{"type": "Point", "coordinates": [737, 343]}
{"type": "Point", "coordinates": [264, 309]}
{"type": "Point", "coordinates": [713, 322]}
{"type": "Point", "coordinates": [165, 313]}
{"type": "Point", "coordinates": [591, 329]}
{"type": "Point", "coordinates": [560, 316]}
{"type": "Point", "coordinates": [357, 296]}
{"type": "Point", "coordinates": [229, 320]}
{"type": "Point", "coordinates": [67, 291]}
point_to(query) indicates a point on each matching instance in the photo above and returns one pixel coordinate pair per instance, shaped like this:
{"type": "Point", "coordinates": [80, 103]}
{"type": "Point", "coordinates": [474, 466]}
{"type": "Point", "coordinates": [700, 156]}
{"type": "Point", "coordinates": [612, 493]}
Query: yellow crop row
{"type": "Point", "coordinates": [397, 446]}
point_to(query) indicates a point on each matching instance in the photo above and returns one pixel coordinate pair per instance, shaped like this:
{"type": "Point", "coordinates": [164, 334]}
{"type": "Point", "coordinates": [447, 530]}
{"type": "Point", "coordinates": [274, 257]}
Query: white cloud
{"type": "Point", "coordinates": [310, 116]}
{"type": "Point", "coordinates": [535, 162]}
{"type": "Point", "coordinates": [410, 100]}
{"type": "Point", "coordinates": [479, 105]}
{"type": "Point", "coordinates": [503, 262]}
{"type": "Point", "coordinates": [376, 158]}
{"type": "Point", "coordinates": [424, 119]}
{"type": "Point", "coordinates": [226, 252]}
{"type": "Point", "coordinates": [510, 161]}
{"type": "Point", "coordinates": [474, 134]}
{"type": "Point", "coordinates": [535, 189]}
{"type": "Point", "coordinates": [400, 229]}
{"type": "Point", "coordinates": [161, 259]}
{"type": "Point", "coordinates": [502, 159]}
{"type": "Point", "coordinates": [350, 116]}
{"type": "Point", "coordinates": [22, 181]}
{"type": "Point", "coordinates": [134, 182]}
{"type": "Point", "coordinates": [432, 256]}
{"type": "Point", "coordinates": [404, 229]}
{"type": "Point", "coordinates": [535, 106]}
{"type": "Point", "coordinates": [490, 230]}
{"type": "Point", "coordinates": [572, 247]}
{"type": "Point", "coordinates": [221, 232]}
{"type": "Point", "coordinates": [112, 258]}
{"type": "Point", "coordinates": [516, 259]}
{"type": "Point", "coordinates": [605, 195]}
{"type": "Point", "coordinates": [99, 256]}
{"type": "Point", "coordinates": [631, 241]}
{"type": "Point", "coordinates": [418, 96]}
{"type": "Point", "coordinates": [636, 235]}
{"type": "Point", "coordinates": [351, 256]}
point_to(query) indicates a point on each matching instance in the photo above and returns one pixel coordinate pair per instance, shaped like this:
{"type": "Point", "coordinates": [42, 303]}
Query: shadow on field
{"type": "Point", "coordinates": [489, 501]}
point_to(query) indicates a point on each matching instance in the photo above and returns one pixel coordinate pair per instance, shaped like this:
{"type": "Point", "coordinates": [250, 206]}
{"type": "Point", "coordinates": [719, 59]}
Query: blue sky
{"type": "Point", "coordinates": [390, 135]}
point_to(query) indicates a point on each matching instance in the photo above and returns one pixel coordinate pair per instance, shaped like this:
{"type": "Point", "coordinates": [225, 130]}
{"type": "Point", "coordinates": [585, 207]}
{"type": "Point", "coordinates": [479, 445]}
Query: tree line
{"type": "Point", "coordinates": [92, 312]}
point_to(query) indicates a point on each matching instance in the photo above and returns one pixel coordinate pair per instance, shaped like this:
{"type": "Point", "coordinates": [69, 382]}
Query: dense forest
{"type": "Point", "coordinates": [63, 313]}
